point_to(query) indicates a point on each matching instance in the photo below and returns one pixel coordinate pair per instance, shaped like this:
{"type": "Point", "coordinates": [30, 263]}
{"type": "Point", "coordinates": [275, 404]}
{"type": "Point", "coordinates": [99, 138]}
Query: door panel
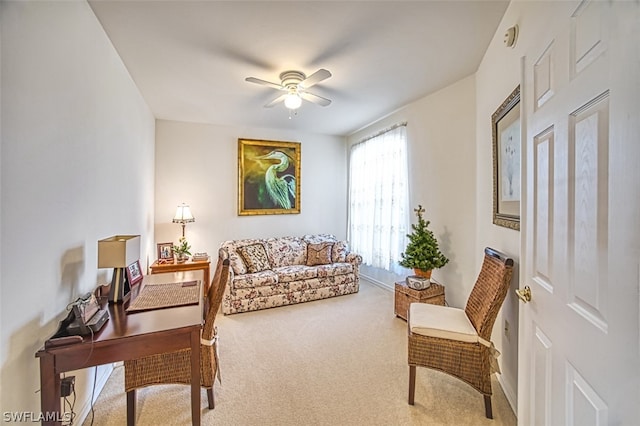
{"type": "Point", "coordinates": [543, 86]}
{"type": "Point", "coordinates": [579, 351]}
{"type": "Point", "coordinates": [584, 405]}
{"type": "Point", "coordinates": [589, 31]}
{"type": "Point", "coordinates": [543, 207]}
{"type": "Point", "coordinates": [588, 210]}
{"type": "Point", "coordinates": [541, 394]}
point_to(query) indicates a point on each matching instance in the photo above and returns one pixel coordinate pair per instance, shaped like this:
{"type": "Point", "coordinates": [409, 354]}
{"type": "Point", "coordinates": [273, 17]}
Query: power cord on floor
{"type": "Point", "coordinates": [93, 392]}
{"type": "Point", "coordinates": [71, 405]}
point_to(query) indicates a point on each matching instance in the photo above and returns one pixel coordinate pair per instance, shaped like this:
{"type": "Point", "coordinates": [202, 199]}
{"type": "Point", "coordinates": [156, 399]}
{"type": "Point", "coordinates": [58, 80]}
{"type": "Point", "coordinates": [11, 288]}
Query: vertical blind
{"type": "Point", "coordinates": [379, 198]}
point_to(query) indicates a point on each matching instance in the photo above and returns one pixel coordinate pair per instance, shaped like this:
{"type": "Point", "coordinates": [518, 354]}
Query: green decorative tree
{"type": "Point", "coordinates": [422, 252]}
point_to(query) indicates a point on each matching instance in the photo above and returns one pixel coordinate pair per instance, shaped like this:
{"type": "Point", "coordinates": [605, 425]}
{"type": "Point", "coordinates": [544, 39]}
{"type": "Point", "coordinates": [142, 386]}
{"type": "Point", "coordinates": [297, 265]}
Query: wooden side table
{"type": "Point", "coordinates": [189, 265]}
{"type": "Point", "coordinates": [406, 296]}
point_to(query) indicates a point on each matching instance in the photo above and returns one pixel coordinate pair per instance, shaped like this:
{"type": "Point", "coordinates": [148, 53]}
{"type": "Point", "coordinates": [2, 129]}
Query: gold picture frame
{"type": "Point", "coordinates": [505, 125]}
{"type": "Point", "coordinates": [268, 177]}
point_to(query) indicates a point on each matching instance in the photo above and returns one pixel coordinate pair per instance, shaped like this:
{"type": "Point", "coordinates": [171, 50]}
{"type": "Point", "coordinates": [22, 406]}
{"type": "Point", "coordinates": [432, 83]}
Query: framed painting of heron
{"type": "Point", "coordinates": [268, 177]}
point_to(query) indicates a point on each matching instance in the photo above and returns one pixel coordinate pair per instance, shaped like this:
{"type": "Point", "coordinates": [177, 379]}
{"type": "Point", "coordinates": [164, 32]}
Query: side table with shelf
{"type": "Point", "coordinates": [189, 265]}
{"type": "Point", "coordinates": [404, 296]}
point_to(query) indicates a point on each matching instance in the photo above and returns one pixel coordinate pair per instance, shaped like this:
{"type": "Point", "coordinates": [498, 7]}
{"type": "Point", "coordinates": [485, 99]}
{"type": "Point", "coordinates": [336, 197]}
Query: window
{"type": "Point", "coordinates": [378, 198]}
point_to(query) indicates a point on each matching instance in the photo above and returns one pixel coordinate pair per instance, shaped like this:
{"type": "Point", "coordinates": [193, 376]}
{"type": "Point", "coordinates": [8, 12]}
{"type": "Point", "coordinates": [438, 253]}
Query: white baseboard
{"type": "Point", "coordinates": [377, 283]}
{"type": "Point", "coordinates": [101, 380]}
{"type": "Point", "coordinates": [509, 393]}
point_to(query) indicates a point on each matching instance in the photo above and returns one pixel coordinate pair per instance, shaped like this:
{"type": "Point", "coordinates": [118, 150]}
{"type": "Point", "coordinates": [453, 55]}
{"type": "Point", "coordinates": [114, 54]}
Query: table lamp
{"type": "Point", "coordinates": [118, 252]}
{"type": "Point", "coordinates": [183, 216]}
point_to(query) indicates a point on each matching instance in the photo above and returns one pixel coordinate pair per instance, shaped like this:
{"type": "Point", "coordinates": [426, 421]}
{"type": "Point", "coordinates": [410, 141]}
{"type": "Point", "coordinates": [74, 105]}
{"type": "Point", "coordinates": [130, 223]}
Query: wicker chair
{"type": "Point", "coordinates": [175, 367]}
{"type": "Point", "coordinates": [458, 341]}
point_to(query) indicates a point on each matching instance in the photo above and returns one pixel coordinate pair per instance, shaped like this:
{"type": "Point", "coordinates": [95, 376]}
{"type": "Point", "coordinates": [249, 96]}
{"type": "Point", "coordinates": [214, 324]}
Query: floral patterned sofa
{"type": "Point", "coordinates": [266, 273]}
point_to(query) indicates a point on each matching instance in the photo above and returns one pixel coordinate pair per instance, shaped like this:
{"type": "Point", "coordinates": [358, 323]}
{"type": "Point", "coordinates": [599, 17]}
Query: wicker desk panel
{"type": "Point", "coordinates": [405, 296]}
{"type": "Point", "coordinates": [168, 295]}
{"type": "Point", "coordinates": [189, 265]}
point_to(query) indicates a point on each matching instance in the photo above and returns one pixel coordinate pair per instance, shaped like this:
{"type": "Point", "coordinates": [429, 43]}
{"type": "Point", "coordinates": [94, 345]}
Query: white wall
{"type": "Point", "coordinates": [441, 148]}
{"type": "Point", "coordinates": [451, 175]}
{"type": "Point", "coordinates": [1, 204]}
{"type": "Point", "coordinates": [77, 165]}
{"type": "Point", "coordinates": [499, 73]}
{"type": "Point", "coordinates": [198, 164]}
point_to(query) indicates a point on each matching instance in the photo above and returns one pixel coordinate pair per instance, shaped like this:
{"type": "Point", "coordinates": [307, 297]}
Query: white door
{"type": "Point", "coordinates": [579, 357]}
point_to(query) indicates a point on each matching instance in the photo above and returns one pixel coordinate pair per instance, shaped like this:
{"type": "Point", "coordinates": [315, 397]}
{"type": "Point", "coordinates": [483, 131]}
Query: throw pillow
{"type": "Point", "coordinates": [319, 254]}
{"type": "Point", "coordinates": [255, 257]}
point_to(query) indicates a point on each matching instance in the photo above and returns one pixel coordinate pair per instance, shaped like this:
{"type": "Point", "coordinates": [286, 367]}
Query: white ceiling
{"type": "Point", "coordinates": [190, 58]}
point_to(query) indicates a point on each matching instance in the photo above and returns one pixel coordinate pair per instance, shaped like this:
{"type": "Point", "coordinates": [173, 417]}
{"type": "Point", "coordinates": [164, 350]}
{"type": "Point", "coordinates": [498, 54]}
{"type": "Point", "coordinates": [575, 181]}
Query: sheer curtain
{"type": "Point", "coordinates": [379, 198]}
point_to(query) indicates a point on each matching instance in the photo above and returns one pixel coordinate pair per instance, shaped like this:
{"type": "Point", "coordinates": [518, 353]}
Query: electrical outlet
{"type": "Point", "coordinates": [67, 386]}
{"type": "Point", "coordinates": [506, 328]}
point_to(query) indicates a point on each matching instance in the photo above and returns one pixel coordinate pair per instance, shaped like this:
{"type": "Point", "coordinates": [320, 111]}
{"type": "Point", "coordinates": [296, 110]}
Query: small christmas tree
{"type": "Point", "coordinates": [422, 252]}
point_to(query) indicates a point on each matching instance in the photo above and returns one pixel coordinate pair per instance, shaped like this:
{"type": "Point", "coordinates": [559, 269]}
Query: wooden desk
{"type": "Point", "coordinates": [128, 336]}
{"type": "Point", "coordinates": [189, 265]}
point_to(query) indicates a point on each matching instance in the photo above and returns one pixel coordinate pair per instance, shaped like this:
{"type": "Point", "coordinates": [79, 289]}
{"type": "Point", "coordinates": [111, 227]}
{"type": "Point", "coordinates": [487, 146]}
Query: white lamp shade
{"type": "Point", "coordinates": [118, 251]}
{"type": "Point", "coordinates": [183, 214]}
{"type": "Point", "coordinates": [292, 101]}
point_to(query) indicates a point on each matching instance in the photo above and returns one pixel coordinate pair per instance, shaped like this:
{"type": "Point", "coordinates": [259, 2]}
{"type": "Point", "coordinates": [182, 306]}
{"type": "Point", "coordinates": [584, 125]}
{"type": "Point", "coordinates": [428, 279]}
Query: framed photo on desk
{"type": "Point", "coordinates": [165, 251]}
{"type": "Point", "coordinates": [134, 273]}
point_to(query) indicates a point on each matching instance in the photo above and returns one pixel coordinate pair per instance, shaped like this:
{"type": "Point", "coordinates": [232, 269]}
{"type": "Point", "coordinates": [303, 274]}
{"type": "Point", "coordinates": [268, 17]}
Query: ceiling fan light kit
{"type": "Point", "coordinates": [295, 83]}
{"type": "Point", "coordinates": [293, 101]}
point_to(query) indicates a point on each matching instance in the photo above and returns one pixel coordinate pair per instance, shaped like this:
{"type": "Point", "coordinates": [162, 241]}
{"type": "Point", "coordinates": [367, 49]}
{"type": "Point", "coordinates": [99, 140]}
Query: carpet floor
{"type": "Point", "coordinates": [338, 361]}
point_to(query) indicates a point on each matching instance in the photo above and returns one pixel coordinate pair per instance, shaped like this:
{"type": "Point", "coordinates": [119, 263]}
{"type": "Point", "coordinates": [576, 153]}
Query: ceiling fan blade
{"type": "Point", "coordinates": [264, 83]}
{"type": "Point", "coordinates": [276, 100]}
{"type": "Point", "coordinates": [315, 99]}
{"type": "Point", "coordinates": [315, 78]}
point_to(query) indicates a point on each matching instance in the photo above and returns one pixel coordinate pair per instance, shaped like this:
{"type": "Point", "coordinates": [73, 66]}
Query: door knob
{"type": "Point", "coordinates": [524, 294]}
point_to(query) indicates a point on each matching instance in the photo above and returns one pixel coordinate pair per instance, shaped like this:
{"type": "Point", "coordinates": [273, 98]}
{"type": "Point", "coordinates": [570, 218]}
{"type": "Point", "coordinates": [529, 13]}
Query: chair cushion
{"type": "Point", "coordinates": [441, 321]}
{"type": "Point", "coordinates": [255, 257]}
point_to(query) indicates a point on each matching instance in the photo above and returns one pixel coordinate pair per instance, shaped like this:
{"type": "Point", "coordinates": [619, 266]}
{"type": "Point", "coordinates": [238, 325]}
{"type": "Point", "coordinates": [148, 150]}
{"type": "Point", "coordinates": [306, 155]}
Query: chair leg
{"type": "Point", "coordinates": [487, 407]}
{"type": "Point", "coordinates": [412, 383]}
{"type": "Point", "coordinates": [210, 398]}
{"type": "Point", "coordinates": [131, 407]}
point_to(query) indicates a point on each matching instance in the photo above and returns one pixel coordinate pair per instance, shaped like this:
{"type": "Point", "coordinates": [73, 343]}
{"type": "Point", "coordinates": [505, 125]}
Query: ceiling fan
{"type": "Point", "coordinates": [295, 84]}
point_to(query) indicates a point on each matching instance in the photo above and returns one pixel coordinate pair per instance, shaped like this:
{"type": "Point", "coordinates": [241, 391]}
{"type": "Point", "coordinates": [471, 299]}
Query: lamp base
{"type": "Point", "coordinates": [120, 287]}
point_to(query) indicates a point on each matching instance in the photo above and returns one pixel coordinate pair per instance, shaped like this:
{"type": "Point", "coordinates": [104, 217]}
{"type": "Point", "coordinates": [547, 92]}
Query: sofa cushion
{"type": "Point", "coordinates": [286, 251]}
{"type": "Point", "coordinates": [334, 269]}
{"type": "Point", "coordinates": [295, 273]}
{"type": "Point", "coordinates": [339, 252]}
{"type": "Point", "coordinates": [319, 254]}
{"type": "Point", "coordinates": [255, 258]}
{"type": "Point", "coordinates": [270, 290]}
{"type": "Point", "coordinates": [264, 278]}
{"type": "Point", "coordinates": [319, 238]}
